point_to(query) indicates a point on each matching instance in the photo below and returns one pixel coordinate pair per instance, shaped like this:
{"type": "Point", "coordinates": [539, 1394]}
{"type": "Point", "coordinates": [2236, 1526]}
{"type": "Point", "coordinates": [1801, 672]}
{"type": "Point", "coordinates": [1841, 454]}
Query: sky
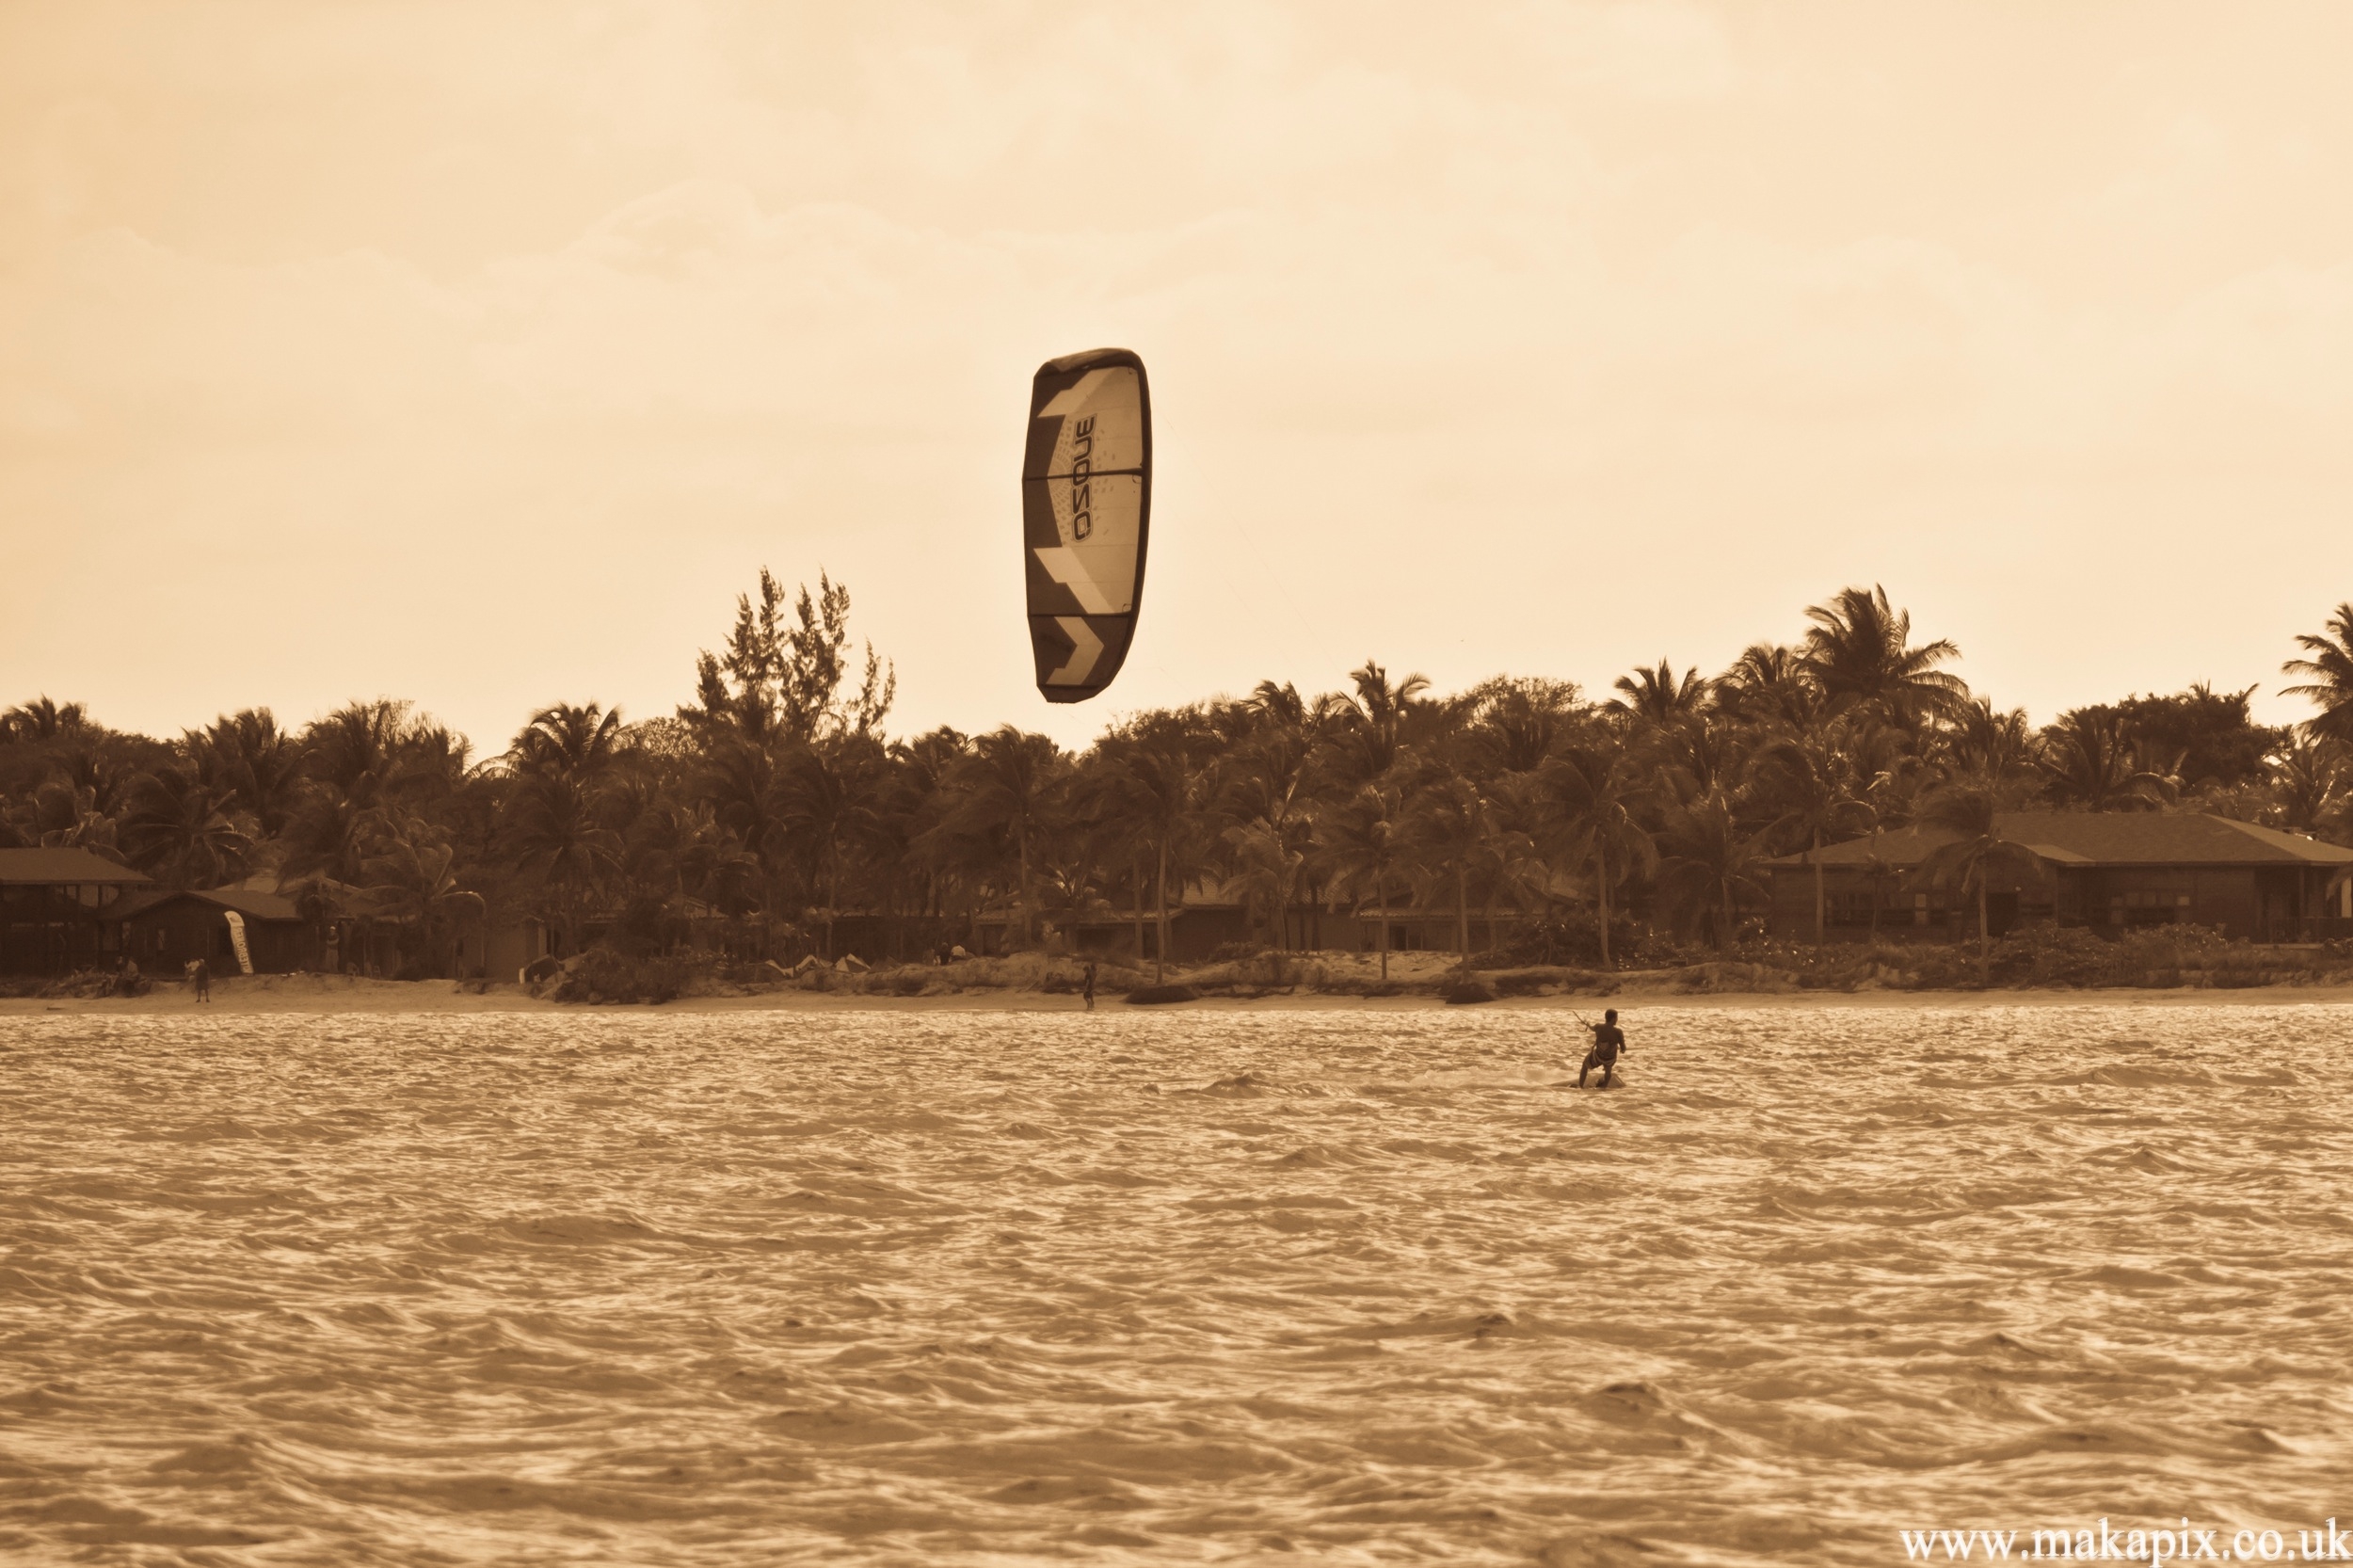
{"type": "Point", "coordinates": [481, 353]}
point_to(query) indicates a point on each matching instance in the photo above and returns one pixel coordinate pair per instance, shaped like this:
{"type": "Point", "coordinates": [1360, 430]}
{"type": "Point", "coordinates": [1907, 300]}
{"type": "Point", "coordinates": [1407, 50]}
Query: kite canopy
{"type": "Point", "coordinates": [1087, 506]}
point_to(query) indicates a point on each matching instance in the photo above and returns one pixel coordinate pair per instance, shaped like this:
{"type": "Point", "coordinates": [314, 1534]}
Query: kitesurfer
{"type": "Point", "coordinates": [1088, 990]}
{"type": "Point", "coordinates": [1608, 1040]}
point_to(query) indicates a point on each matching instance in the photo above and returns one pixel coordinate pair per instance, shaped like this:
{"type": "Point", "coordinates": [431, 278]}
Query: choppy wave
{"type": "Point", "coordinates": [656, 1289]}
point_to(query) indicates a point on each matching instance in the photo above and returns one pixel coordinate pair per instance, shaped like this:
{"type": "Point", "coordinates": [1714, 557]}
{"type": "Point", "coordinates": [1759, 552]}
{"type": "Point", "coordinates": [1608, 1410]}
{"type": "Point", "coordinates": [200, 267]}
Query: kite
{"type": "Point", "coordinates": [1086, 508]}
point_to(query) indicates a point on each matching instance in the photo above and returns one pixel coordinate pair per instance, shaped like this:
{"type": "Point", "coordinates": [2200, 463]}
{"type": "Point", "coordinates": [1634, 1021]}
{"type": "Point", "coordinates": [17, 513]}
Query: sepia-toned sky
{"type": "Point", "coordinates": [481, 353]}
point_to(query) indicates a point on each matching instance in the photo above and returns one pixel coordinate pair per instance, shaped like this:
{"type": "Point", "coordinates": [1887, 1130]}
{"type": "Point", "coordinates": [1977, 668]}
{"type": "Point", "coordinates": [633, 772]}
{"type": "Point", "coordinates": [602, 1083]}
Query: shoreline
{"type": "Point", "coordinates": [329, 995]}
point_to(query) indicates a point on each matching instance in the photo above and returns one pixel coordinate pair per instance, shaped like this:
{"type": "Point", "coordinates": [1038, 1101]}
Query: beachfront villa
{"type": "Point", "coordinates": [2109, 871]}
{"type": "Point", "coordinates": [63, 910]}
{"type": "Point", "coordinates": [54, 904]}
{"type": "Point", "coordinates": [68, 910]}
{"type": "Point", "coordinates": [164, 931]}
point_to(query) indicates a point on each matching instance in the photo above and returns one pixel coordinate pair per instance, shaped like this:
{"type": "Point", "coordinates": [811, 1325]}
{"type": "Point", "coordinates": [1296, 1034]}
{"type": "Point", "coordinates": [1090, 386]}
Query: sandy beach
{"type": "Point", "coordinates": [333, 994]}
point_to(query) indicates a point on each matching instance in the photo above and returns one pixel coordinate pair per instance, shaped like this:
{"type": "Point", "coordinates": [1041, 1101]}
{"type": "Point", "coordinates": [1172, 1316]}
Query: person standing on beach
{"type": "Point", "coordinates": [202, 974]}
{"type": "Point", "coordinates": [1088, 989]}
{"type": "Point", "coordinates": [1608, 1040]}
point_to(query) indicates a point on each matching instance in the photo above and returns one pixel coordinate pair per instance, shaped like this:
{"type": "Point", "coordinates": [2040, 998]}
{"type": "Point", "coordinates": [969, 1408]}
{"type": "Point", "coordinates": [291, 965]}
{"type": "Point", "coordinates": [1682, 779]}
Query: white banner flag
{"type": "Point", "coordinates": [236, 939]}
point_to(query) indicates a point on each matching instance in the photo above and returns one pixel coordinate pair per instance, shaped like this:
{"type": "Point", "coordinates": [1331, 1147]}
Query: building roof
{"type": "Point", "coordinates": [244, 901]}
{"type": "Point", "coordinates": [61, 867]}
{"type": "Point", "coordinates": [2103, 838]}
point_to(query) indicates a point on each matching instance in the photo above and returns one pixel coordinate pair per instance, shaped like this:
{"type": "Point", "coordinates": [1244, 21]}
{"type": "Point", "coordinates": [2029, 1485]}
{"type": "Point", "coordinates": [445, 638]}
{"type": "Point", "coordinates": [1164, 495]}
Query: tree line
{"type": "Point", "coordinates": [776, 802]}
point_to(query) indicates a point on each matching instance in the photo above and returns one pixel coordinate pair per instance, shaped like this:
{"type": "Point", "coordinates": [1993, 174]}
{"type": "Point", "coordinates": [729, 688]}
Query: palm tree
{"type": "Point", "coordinates": [1264, 800]}
{"type": "Point", "coordinates": [1708, 864]}
{"type": "Point", "coordinates": [1770, 687]}
{"type": "Point", "coordinates": [1265, 863]}
{"type": "Point", "coordinates": [1517, 724]}
{"type": "Point", "coordinates": [1586, 804]}
{"type": "Point", "coordinates": [1369, 733]}
{"type": "Point", "coordinates": [433, 766]}
{"type": "Point", "coordinates": [103, 770]}
{"type": "Point", "coordinates": [1807, 776]}
{"type": "Point", "coordinates": [257, 763]}
{"type": "Point", "coordinates": [2312, 782]}
{"type": "Point", "coordinates": [1447, 830]}
{"type": "Point", "coordinates": [919, 801]}
{"type": "Point", "coordinates": [1968, 809]}
{"type": "Point", "coordinates": [1888, 774]}
{"type": "Point", "coordinates": [829, 802]}
{"type": "Point", "coordinates": [179, 830]}
{"type": "Point", "coordinates": [1158, 775]}
{"type": "Point", "coordinates": [737, 782]}
{"type": "Point", "coordinates": [1693, 758]}
{"type": "Point", "coordinates": [1654, 697]}
{"type": "Point", "coordinates": [416, 881]}
{"type": "Point", "coordinates": [1097, 814]}
{"type": "Point", "coordinates": [41, 720]}
{"type": "Point", "coordinates": [356, 750]}
{"type": "Point", "coordinates": [675, 846]}
{"type": "Point", "coordinates": [1358, 840]}
{"type": "Point", "coordinates": [1069, 873]}
{"type": "Point", "coordinates": [2087, 763]}
{"type": "Point", "coordinates": [2330, 668]}
{"type": "Point", "coordinates": [580, 743]}
{"type": "Point", "coordinates": [68, 816]}
{"type": "Point", "coordinates": [2158, 772]}
{"type": "Point", "coordinates": [1987, 743]}
{"type": "Point", "coordinates": [1860, 651]}
{"type": "Point", "coordinates": [1382, 705]}
{"type": "Point", "coordinates": [1011, 784]}
{"type": "Point", "coordinates": [366, 768]}
{"type": "Point", "coordinates": [1264, 787]}
{"type": "Point", "coordinates": [1278, 705]}
{"type": "Point", "coordinates": [557, 832]}
{"type": "Point", "coordinates": [328, 837]}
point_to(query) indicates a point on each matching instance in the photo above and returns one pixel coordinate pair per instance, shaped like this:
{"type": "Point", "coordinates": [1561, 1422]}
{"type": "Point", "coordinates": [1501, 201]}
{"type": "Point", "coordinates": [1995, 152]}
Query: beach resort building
{"type": "Point", "coordinates": [63, 910]}
{"type": "Point", "coordinates": [54, 904]}
{"type": "Point", "coordinates": [163, 931]}
{"type": "Point", "coordinates": [2109, 871]}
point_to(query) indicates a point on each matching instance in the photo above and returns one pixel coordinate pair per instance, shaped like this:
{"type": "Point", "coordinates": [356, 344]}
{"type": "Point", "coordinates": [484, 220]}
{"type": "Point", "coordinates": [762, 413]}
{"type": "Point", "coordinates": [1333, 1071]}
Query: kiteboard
{"type": "Point", "coordinates": [1086, 514]}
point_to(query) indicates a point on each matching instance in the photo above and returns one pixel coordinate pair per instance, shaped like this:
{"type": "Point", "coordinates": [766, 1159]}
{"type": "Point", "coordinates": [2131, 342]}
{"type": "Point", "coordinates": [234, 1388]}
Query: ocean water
{"type": "Point", "coordinates": [663, 1287]}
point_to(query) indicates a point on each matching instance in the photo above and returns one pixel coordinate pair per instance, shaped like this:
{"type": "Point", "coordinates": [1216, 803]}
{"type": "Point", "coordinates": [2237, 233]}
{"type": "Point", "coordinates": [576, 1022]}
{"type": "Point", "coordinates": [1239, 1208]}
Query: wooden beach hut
{"type": "Point", "coordinates": [162, 931]}
{"type": "Point", "coordinates": [53, 908]}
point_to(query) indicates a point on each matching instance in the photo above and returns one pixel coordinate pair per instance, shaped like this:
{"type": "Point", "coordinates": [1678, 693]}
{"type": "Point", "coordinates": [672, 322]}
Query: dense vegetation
{"type": "Point", "coordinates": [776, 802]}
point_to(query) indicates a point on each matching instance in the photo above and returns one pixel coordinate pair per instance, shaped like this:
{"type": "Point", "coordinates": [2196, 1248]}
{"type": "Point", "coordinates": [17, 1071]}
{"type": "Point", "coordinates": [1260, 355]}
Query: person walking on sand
{"type": "Point", "coordinates": [1088, 989]}
{"type": "Point", "coordinates": [1608, 1040]}
{"type": "Point", "coordinates": [202, 974]}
